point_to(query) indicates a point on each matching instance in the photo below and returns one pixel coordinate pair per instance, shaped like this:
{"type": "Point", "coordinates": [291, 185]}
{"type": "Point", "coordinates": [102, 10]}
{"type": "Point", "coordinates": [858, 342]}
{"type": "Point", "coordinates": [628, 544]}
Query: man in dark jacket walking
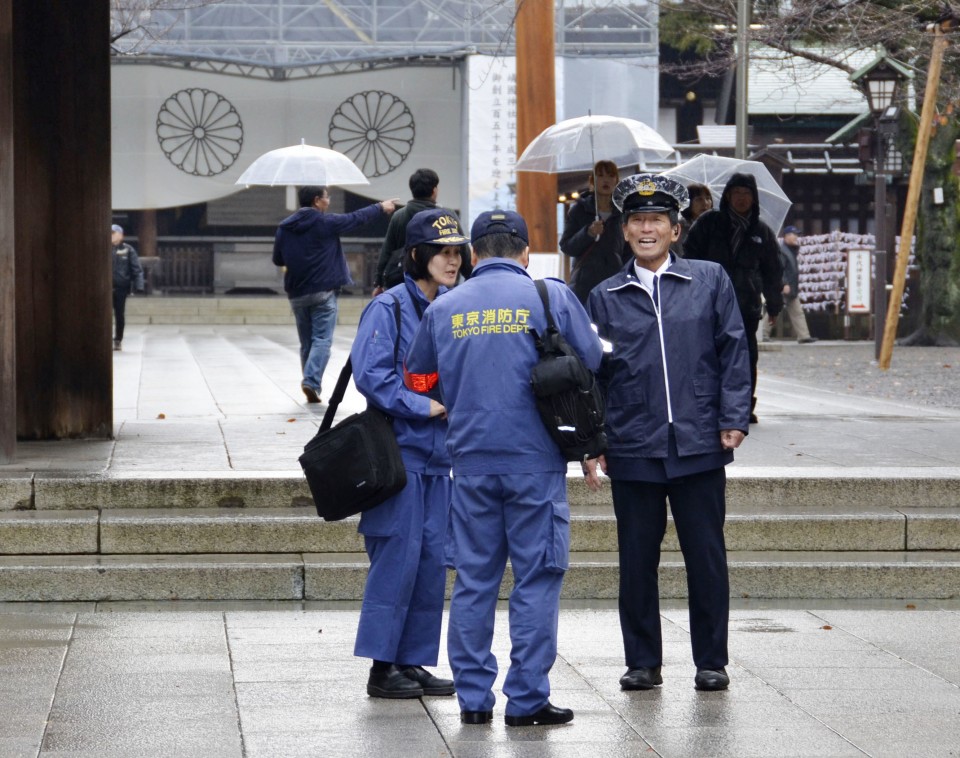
{"type": "Point", "coordinates": [734, 236]}
{"type": "Point", "coordinates": [127, 273]}
{"type": "Point", "coordinates": [308, 246]}
{"type": "Point", "coordinates": [677, 385]}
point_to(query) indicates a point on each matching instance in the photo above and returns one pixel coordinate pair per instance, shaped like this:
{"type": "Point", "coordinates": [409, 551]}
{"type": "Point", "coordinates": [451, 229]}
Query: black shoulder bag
{"type": "Point", "coordinates": [568, 398]}
{"type": "Point", "coordinates": [356, 464]}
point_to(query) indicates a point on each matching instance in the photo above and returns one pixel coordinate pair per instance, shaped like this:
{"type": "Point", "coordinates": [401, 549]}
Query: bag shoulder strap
{"type": "Point", "coordinates": [347, 371]}
{"type": "Point", "coordinates": [545, 297]}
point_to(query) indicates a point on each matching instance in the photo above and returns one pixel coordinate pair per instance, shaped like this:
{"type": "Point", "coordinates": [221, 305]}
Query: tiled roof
{"type": "Point", "coordinates": [786, 85]}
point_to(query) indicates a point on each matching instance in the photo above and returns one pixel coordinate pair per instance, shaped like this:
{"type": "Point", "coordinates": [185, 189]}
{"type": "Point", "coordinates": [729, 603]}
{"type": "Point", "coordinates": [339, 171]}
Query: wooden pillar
{"type": "Point", "coordinates": [147, 233]}
{"type": "Point", "coordinates": [8, 378]}
{"type": "Point", "coordinates": [61, 137]}
{"type": "Point", "coordinates": [536, 110]}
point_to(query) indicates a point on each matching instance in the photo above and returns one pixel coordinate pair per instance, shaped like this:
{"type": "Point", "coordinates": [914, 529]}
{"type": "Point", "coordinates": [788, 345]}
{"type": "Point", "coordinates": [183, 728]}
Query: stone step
{"type": "Point", "coordinates": [311, 576]}
{"type": "Point", "coordinates": [42, 578]}
{"type": "Point", "coordinates": [228, 310]}
{"type": "Point", "coordinates": [593, 529]}
{"type": "Point", "coordinates": [785, 488]}
{"type": "Point", "coordinates": [770, 574]}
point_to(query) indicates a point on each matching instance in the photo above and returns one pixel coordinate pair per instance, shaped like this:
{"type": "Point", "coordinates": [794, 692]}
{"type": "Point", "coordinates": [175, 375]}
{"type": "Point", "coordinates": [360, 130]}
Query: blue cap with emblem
{"type": "Point", "coordinates": [434, 226]}
{"type": "Point", "coordinates": [650, 193]}
{"type": "Point", "coordinates": [499, 222]}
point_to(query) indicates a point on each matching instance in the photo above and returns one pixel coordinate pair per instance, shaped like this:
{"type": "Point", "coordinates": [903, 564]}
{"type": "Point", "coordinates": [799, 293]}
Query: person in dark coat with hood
{"type": "Point", "coordinates": [591, 233]}
{"type": "Point", "coordinates": [308, 247]}
{"type": "Point", "coordinates": [734, 236]}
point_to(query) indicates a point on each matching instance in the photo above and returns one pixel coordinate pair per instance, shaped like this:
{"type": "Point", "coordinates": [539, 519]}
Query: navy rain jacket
{"type": "Point", "coordinates": [308, 244]}
{"type": "Point", "coordinates": [706, 357]}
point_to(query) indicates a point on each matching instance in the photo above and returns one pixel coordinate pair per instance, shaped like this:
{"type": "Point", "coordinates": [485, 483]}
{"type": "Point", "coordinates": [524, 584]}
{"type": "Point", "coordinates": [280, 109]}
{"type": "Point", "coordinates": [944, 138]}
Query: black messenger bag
{"type": "Point", "coordinates": [355, 465]}
{"type": "Point", "coordinates": [567, 395]}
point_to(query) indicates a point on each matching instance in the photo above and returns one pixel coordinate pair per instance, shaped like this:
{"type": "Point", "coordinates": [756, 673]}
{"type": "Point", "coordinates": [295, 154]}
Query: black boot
{"type": "Point", "coordinates": [432, 685]}
{"type": "Point", "coordinates": [392, 683]}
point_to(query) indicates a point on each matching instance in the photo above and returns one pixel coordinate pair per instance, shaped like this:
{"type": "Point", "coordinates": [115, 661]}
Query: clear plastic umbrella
{"type": "Point", "coordinates": [302, 165]}
{"type": "Point", "coordinates": [572, 144]}
{"type": "Point", "coordinates": [714, 172]}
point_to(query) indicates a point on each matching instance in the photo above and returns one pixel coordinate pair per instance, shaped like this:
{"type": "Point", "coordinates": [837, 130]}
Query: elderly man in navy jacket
{"type": "Point", "coordinates": [509, 479]}
{"type": "Point", "coordinates": [308, 246]}
{"type": "Point", "coordinates": [678, 402]}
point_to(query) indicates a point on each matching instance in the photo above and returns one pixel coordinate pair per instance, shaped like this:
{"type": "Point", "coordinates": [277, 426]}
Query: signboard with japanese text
{"type": "Point", "coordinates": [859, 284]}
{"type": "Point", "coordinates": [492, 134]}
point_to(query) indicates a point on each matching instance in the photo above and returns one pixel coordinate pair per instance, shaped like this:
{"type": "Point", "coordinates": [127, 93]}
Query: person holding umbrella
{"type": "Point", "coordinates": [308, 247]}
{"type": "Point", "coordinates": [734, 236]}
{"type": "Point", "coordinates": [591, 233]}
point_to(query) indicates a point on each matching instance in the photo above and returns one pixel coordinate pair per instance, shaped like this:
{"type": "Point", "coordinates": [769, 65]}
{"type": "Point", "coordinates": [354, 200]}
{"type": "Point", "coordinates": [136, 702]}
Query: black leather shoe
{"type": "Point", "coordinates": [711, 680]}
{"type": "Point", "coordinates": [754, 419]}
{"type": "Point", "coordinates": [431, 685]}
{"type": "Point", "coordinates": [476, 717]}
{"type": "Point", "coordinates": [392, 683]}
{"type": "Point", "coordinates": [547, 715]}
{"type": "Point", "coordinates": [641, 679]}
{"type": "Point", "coordinates": [807, 340]}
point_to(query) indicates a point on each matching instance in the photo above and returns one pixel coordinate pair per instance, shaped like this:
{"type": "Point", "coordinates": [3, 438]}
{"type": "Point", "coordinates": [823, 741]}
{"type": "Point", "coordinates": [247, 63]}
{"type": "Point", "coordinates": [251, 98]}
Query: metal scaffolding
{"type": "Point", "coordinates": [283, 39]}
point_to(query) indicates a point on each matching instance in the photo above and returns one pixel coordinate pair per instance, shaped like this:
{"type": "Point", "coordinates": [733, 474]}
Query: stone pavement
{"type": "Point", "coordinates": [117, 681]}
{"type": "Point", "coordinates": [193, 398]}
{"type": "Point", "coordinates": [810, 678]}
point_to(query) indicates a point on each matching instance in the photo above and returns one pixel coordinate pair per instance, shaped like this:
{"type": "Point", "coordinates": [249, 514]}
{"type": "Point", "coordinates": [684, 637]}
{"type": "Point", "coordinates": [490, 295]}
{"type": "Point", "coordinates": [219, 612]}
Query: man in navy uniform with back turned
{"type": "Point", "coordinates": [509, 478]}
{"type": "Point", "coordinates": [677, 385]}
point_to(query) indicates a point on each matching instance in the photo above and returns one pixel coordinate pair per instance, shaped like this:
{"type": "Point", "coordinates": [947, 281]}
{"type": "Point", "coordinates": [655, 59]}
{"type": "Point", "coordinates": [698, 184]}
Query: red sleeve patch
{"type": "Point", "coordinates": [420, 382]}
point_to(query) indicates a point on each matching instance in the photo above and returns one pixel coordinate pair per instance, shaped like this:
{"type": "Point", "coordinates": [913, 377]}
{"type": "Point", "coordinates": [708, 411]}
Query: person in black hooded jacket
{"type": "Point", "coordinates": [734, 236]}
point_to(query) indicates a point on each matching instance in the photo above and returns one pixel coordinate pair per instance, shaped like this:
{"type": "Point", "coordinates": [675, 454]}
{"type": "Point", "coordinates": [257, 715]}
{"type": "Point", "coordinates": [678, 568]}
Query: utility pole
{"type": "Point", "coordinates": [743, 64]}
{"type": "Point", "coordinates": [536, 110]}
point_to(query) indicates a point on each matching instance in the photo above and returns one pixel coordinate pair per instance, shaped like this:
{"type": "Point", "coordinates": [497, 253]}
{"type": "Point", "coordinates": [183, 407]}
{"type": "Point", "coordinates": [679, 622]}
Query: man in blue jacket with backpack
{"type": "Point", "coordinates": [476, 348]}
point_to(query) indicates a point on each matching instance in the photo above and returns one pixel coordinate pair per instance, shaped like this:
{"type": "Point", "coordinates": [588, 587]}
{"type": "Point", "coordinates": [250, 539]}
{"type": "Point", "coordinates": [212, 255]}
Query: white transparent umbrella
{"type": "Point", "coordinates": [715, 171]}
{"type": "Point", "coordinates": [572, 144]}
{"type": "Point", "coordinates": [302, 165]}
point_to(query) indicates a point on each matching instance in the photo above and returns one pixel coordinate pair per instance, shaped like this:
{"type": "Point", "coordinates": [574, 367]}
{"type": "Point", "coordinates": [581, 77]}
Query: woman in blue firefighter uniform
{"type": "Point", "coordinates": [403, 599]}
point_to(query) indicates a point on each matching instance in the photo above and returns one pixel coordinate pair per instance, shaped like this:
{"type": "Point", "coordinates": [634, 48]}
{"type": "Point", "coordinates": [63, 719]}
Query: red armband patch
{"type": "Point", "coordinates": [420, 382]}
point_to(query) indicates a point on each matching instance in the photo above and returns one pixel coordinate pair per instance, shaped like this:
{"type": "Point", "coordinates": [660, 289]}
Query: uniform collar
{"type": "Point", "coordinates": [676, 267]}
{"type": "Point", "coordinates": [498, 264]}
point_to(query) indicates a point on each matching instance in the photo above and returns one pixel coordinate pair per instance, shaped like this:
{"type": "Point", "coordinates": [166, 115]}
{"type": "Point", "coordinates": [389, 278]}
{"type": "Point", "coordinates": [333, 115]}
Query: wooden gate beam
{"type": "Point", "coordinates": [8, 377]}
{"type": "Point", "coordinates": [61, 177]}
{"type": "Point", "coordinates": [536, 110]}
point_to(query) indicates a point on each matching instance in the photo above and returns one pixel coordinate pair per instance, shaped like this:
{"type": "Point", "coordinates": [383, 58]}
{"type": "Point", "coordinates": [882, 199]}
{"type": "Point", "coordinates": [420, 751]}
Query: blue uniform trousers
{"type": "Point", "coordinates": [524, 517]}
{"type": "Point", "coordinates": [697, 502]}
{"type": "Point", "coordinates": [403, 599]}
